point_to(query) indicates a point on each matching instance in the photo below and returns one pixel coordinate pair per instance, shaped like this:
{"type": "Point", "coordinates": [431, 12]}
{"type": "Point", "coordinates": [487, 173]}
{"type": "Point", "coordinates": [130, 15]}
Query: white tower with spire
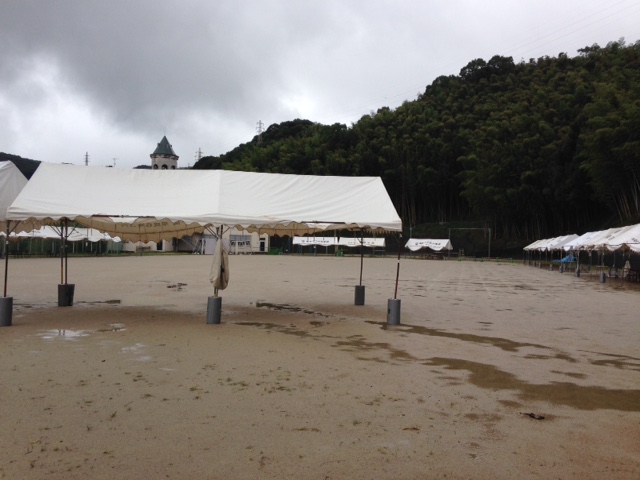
{"type": "Point", "coordinates": [164, 158]}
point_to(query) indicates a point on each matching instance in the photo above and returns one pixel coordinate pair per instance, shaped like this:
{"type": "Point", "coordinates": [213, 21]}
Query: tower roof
{"type": "Point", "coordinates": [164, 148]}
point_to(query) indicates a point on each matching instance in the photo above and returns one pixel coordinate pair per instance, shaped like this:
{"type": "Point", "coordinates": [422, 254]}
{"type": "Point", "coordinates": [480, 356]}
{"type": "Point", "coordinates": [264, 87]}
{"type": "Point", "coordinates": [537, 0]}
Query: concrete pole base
{"type": "Point", "coordinates": [393, 311]}
{"type": "Point", "coordinates": [6, 311]}
{"type": "Point", "coordinates": [603, 277]}
{"type": "Point", "coordinates": [214, 310]}
{"type": "Point", "coordinates": [359, 296]}
{"type": "Point", "coordinates": [577, 272]}
{"type": "Point", "coordinates": [65, 294]}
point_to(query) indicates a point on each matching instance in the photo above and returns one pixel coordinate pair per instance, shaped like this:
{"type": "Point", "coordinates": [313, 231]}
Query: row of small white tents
{"type": "Point", "coordinates": [621, 238]}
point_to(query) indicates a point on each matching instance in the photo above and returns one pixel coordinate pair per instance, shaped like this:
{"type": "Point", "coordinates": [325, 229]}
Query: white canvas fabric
{"type": "Point", "coordinates": [357, 242]}
{"type": "Point", "coordinates": [534, 245]}
{"type": "Point", "coordinates": [578, 243]}
{"type": "Point", "coordinates": [627, 238]}
{"type": "Point", "coordinates": [12, 181]}
{"type": "Point", "coordinates": [415, 244]}
{"type": "Point", "coordinates": [559, 242]}
{"type": "Point", "coordinates": [154, 205]}
{"type": "Point", "coordinates": [342, 242]}
{"type": "Point", "coordinates": [219, 276]}
{"type": "Point", "coordinates": [599, 241]}
{"type": "Point", "coordinates": [75, 234]}
{"type": "Point", "coordinates": [314, 240]}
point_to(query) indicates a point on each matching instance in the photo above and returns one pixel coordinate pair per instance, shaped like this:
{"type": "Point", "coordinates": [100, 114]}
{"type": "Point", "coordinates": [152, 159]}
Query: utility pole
{"type": "Point", "coordinates": [198, 154]}
{"type": "Point", "coordinates": [86, 159]}
{"type": "Point", "coordinates": [259, 129]}
{"type": "Point", "coordinates": [114, 162]}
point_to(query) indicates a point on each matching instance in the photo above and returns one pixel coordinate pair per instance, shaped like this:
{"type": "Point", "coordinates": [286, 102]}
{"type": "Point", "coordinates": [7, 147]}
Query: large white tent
{"type": "Point", "coordinates": [150, 205]}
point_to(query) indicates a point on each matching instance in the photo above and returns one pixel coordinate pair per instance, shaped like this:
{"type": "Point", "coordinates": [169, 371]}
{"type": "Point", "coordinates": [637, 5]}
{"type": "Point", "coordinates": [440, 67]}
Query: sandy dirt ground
{"type": "Point", "coordinates": [497, 371]}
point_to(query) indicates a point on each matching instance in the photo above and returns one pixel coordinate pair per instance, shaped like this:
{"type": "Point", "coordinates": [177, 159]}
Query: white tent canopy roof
{"type": "Point", "coordinates": [628, 238]}
{"type": "Point", "coordinates": [578, 243]}
{"type": "Point", "coordinates": [153, 205]}
{"type": "Point", "coordinates": [12, 181]}
{"type": "Point", "coordinates": [415, 244]}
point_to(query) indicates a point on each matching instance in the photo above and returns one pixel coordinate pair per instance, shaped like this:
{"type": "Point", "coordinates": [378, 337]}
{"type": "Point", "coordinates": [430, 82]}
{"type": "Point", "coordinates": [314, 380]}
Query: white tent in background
{"type": "Point", "coordinates": [578, 243]}
{"type": "Point", "coordinates": [313, 240]}
{"type": "Point", "coordinates": [358, 242]}
{"type": "Point", "coordinates": [559, 242]}
{"type": "Point", "coordinates": [627, 238]}
{"type": "Point", "coordinates": [415, 244]}
{"type": "Point", "coordinates": [534, 245]}
{"type": "Point", "coordinates": [151, 205]}
{"type": "Point", "coordinates": [599, 241]}
{"type": "Point", "coordinates": [342, 242]}
{"type": "Point", "coordinates": [76, 234]}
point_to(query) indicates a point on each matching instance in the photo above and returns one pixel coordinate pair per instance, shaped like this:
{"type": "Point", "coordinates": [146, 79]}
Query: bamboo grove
{"type": "Point", "coordinates": [529, 149]}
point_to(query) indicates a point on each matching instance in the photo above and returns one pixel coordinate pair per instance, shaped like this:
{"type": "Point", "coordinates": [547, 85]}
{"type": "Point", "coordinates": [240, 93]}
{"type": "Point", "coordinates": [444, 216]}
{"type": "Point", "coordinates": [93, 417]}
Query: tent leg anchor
{"type": "Point", "coordinates": [65, 294]}
{"type": "Point", "coordinates": [6, 311]}
{"type": "Point", "coordinates": [214, 310]}
{"type": "Point", "coordinates": [359, 295]}
{"type": "Point", "coordinates": [393, 311]}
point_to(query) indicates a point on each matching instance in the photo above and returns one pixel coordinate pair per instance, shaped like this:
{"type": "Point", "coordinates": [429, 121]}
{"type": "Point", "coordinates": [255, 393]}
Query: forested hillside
{"type": "Point", "coordinates": [530, 149]}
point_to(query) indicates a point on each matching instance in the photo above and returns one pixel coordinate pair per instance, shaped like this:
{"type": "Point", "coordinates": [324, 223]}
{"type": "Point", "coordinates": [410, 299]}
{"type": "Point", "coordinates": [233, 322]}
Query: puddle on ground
{"type": "Point", "coordinates": [359, 344]}
{"type": "Point", "coordinates": [502, 343]}
{"type": "Point", "coordinates": [289, 330]}
{"type": "Point", "coordinates": [559, 393]}
{"type": "Point", "coordinates": [100, 302]}
{"type": "Point", "coordinates": [623, 362]}
{"type": "Point", "coordinates": [289, 308]}
{"type": "Point", "coordinates": [63, 334]}
{"type": "Point", "coordinates": [133, 348]}
{"type": "Point", "coordinates": [112, 327]}
{"type": "Point", "coordinates": [177, 286]}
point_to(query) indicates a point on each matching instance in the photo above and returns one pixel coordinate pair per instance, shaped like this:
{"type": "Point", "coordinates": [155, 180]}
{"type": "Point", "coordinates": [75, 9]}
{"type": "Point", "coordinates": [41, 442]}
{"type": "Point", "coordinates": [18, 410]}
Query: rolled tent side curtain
{"type": "Point", "coordinates": [150, 205]}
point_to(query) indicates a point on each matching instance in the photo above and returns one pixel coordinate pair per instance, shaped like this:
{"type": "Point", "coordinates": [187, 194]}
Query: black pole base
{"type": "Point", "coordinates": [359, 295]}
{"type": "Point", "coordinates": [6, 311]}
{"type": "Point", "coordinates": [65, 294]}
{"type": "Point", "coordinates": [393, 311]}
{"type": "Point", "coordinates": [603, 277]}
{"type": "Point", "coordinates": [214, 310]}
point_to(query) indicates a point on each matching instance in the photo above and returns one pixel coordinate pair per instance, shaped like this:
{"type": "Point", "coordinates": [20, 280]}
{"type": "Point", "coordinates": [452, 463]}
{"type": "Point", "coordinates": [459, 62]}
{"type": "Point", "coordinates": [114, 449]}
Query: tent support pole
{"type": "Point", "coordinates": [395, 293]}
{"type": "Point", "coordinates": [61, 255]}
{"type": "Point", "coordinates": [6, 257]}
{"type": "Point", "coordinates": [66, 253]}
{"type": "Point", "coordinates": [361, 253]}
{"type": "Point", "coordinates": [359, 291]}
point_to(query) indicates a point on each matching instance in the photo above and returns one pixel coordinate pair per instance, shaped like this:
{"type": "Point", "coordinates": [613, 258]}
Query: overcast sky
{"type": "Point", "coordinates": [112, 77]}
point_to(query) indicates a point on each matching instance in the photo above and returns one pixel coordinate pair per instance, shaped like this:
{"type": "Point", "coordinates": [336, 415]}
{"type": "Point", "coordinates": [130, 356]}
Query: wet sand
{"type": "Point", "coordinates": [496, 371]}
